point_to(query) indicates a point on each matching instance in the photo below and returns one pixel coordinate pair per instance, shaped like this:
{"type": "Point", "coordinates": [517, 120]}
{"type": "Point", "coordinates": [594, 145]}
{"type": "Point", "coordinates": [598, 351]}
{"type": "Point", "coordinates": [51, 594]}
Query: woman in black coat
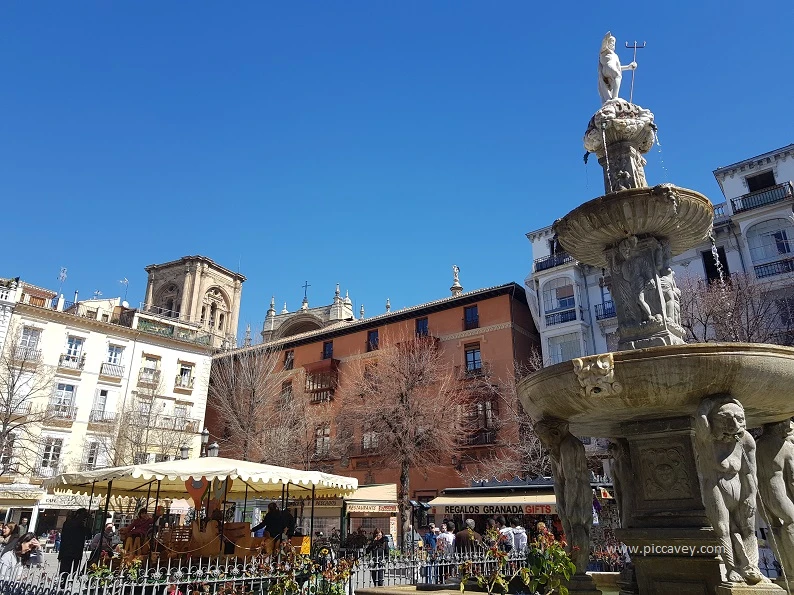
{"type": "Point", "coordinates": [378, 548]}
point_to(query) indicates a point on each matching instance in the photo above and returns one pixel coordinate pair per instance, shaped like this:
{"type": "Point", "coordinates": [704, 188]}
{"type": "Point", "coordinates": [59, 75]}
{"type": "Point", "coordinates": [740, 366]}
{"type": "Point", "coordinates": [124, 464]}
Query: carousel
{"type": "Point", "coordinates": [216, 487]}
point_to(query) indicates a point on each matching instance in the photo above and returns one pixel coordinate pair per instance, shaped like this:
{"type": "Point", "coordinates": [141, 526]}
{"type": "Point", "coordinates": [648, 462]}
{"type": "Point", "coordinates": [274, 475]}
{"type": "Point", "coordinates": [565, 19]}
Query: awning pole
{"type": "Point", "coordinates": [287, 499]}
{"type": "Point", "coordinates": [311, 524]}
{"type": "Point", "coordinates": [91, 498]}
{"type": "Point", "coordinates": [148, 495]}
{"type": "Point", "coordinates": [282, 496]}
{"type": "Point", "coordinates": [104, 519]}
{"type": "Point", "coordinates": [223, 519]}
{"type": "Point", "coordinates": [245, 502]}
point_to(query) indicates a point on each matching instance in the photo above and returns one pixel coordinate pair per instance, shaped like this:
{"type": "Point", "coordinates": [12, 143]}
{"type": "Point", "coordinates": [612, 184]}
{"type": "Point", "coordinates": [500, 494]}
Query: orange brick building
{"type": "Point", "coordinates": [482, 332]}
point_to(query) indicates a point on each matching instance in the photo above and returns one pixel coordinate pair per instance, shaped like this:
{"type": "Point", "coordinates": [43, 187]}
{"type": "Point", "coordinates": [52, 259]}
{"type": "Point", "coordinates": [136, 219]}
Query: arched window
{"type": "Point", "coordinates": [771, 240]}
{"type": "Point", "coordinates": [169, 306]}
{"type": "Point", "coordinates": [220, 321]}
{"type": "Point", "coordinates": [558, 295]}
{"type": "Point", "coordinates": [213, 309]}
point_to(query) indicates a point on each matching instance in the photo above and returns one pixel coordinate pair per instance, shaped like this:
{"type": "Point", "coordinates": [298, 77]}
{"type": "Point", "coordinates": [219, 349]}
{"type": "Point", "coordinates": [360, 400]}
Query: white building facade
{"type": "Point", "coordinates": [753, 233]}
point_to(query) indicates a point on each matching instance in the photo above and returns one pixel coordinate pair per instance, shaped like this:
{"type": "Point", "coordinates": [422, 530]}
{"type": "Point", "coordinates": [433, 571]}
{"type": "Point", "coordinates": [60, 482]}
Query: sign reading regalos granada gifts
{"type": "Point", "coordinates": [491, 509]}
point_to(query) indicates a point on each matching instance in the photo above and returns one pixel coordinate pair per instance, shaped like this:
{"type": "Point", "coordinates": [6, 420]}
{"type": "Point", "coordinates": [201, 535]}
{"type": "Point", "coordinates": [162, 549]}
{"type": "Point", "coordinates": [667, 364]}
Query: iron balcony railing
{"type": "Point", "coordinates": [100, 416]}
{"type": "Point", "coordinates": [764, 197]}
{"type": "Point", "coordinates": [779, 267]}
{"type": "Point", "coordinates": [23, 354]}
{"type": "Point", "coordinates": [551, 261]}
{"type": "Point", "coordinates": [56, 411]}
{"type": "Point", "coordinates": [480, 438]}
{"type": "Point", "coordinates": [561, 317]}
{"type": "Point", "coordinates": [605, 310]}
{"type": "Point", "coordinates": [113, 370]}
{"type": "Point", "coordinates": [146, 376]}
{"type": "Point", "coordinates": [471, 322]}
{"type": "Point", "coordinates": [183, 382]}
{"type": "Point", "coordinates": [45, 470]}
{"type": "Point", "coordinates": [472, 370]}
{"type": "Point", "coordinates": [71, 362]}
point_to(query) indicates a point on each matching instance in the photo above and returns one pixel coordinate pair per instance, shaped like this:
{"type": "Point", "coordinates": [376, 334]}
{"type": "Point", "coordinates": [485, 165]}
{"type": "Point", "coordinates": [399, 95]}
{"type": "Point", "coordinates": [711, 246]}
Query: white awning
{"type": "Point", "coordinates": [135, 480]}
{"type": "Point", "coordinates": [373, 498]}
{"type": "Point", "coordinates": [494, 504]}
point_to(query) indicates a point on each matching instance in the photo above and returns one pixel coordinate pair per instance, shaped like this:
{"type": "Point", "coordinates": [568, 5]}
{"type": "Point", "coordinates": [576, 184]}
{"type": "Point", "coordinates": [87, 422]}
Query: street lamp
{"type": "Point", "coordinates": [184, 450]}
{"type": "Point", "coordinates": [205, 438]}
{"type": "Point", "coordinates": [212, 449]}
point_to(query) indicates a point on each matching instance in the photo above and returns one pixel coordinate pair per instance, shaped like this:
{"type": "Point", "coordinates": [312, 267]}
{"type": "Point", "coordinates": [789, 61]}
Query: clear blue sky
{"type": "Point", "coordinates": [372, 144]}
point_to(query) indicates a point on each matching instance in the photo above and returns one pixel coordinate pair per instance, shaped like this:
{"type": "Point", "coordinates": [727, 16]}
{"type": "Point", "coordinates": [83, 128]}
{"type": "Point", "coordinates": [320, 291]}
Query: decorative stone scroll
{"type": "Point", "coordinates": [596, 375]}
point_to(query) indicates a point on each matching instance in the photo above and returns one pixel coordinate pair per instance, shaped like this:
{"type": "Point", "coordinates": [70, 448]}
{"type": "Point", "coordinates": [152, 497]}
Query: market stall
{"type": "Point", "coordinates": [213, 484]}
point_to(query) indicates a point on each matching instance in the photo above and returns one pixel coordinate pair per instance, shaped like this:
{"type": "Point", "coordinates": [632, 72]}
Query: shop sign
{"type": "Point", "coordinates": [491, 509]}
{"type": "Point", "coordinates": [325, 503]}
{"type": "Point", "coordinates": [371, 508]}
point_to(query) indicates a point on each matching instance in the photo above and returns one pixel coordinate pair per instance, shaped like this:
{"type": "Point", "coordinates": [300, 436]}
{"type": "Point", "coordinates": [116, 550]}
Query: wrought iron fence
{"type": "Point", "coordinates": [324, 573]}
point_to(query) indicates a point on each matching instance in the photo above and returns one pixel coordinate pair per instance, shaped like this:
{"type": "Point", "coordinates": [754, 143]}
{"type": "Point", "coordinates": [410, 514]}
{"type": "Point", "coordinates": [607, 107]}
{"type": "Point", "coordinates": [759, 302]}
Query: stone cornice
{"type": "Point", "coordinates": [758, 161]}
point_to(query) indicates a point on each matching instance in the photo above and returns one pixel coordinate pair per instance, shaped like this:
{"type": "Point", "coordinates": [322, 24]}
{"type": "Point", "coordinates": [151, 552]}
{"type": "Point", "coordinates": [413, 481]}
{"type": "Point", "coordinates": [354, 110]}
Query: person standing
{"type": "Point", "coordinates": [467, 539]}
{"type": "Point", "coordinates": [519, 535]}
{"type": "Point", "coordinates": [9, 538]}
{"type": "Point", "coordinates": [378, 548]}
{"type": "Point", "coordinates": [73, 536]}
{"type": "Point", "coordinates": [505, 535]}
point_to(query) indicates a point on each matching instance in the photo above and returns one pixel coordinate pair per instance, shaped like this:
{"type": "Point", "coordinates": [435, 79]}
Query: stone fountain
{"type": "Point", "coordinates": [686, 470]}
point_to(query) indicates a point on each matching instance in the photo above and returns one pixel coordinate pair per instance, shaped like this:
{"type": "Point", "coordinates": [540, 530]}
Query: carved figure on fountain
{"type": "Point", "coordinates": [726, 465]}
{"type": "Point", "coordinates": [622, 478]}
{"type": "Point", "coordinates": [571, 487]}
{"type": "Point", "coordinates": [775, 458]}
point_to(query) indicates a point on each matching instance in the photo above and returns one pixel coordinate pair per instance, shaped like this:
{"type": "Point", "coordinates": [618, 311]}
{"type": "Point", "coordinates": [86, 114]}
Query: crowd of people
{"type": "Point", "coordinates": [19, 549]}
{"type": "Point", "coordinates": [507, 536]}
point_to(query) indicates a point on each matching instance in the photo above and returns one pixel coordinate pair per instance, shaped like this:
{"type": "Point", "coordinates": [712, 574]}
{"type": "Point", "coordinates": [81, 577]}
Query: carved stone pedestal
{"type": "Point", "coordinates": [759, 589]}
{"type": "Point", "coordinates": [582, 584]}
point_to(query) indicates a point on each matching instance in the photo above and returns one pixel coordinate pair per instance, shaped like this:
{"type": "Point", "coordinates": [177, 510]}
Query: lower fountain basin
{"type": "Point", "coordinates": [663, 382]}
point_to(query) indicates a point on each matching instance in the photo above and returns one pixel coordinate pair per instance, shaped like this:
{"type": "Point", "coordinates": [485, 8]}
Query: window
{"type": "Point", "coordinates": [145, 408]}
{"type": "Point", "coordinates": [473, 359]}
{"type": "Point", "coordinates": [185, 377]}
{"type": "Point", "coordinates": [74, 351]}
{"type": "Point", "coordinates": [114, 354]}
{"type": "Point", "coordinates": [140, 458]}
{"type": "Point", "coordinates": [486, 415]}
{"type": "Point", "coordinates": [372, 340]}
{"type": "Point", "coordinates": [100, 405]}
{"type": "Point", "coordinates": [760, 181]}
{"type": "Point", "coordinates": [471, 318]}
{"type": "Point", "coordinates": [320, 386]}
{"type": "Point", "coordinates": [160, 457]}
{"type": "Point", "coordinates": [91, 455]}
{"type": "Point", "coordinates": [286, 391]}
{"type": "Point", "coordinates": [181, 412]}
{"type": "Point", "coordinates": [770, 240]}
{"type": "Point", "coordinates": [328, 349]}
{"type": "Point", "coordinates": [710, 264]}
{"type": "Point", "coordinates": [221, 320]}
{"type": "Point", "coordinates": [62, 401]}
{"type": "Point", "coordinates": [558, 295]}
{"type": "Point", "coordinates": [30, 338]}
{"type": "Point", "coordinates": [149, 369]}
{"type": "Point", "coordinates": [322, 440]}
{"type": "Point", "coordinates": [51, 455]}
{"type": "Point", "coordinates": [369, 441]}
{"type": "Point", "coordinates": [564, 347]}
{"type": "Point", "coordinates": [421, 327]}
{"type": "Point", "coordinates": [289, 359]}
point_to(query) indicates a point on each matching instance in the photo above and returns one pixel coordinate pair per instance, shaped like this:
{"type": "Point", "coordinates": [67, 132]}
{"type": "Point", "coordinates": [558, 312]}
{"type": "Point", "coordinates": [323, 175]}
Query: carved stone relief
{"type": "Point", "coordinates": [665, 473]}
{"type": "Point", "coordinates": [596, 375]}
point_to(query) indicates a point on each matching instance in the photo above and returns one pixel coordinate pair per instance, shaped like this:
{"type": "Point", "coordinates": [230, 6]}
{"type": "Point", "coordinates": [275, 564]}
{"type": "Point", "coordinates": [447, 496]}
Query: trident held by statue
{"type": "Point", "coordinates": [635, 47]}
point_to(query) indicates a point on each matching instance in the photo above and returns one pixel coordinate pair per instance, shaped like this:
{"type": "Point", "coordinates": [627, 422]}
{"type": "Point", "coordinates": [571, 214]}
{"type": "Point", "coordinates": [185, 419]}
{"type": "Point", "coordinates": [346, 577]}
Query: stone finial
{"type": "Point", "coordinates": [388, 305]}
{"type": "Point", "coordinates": [456, 288]}
{"type": "Point", "coordinates": [348, 301]}
{"type": "Point", "coordinates": [271, 311]}
{"type": "Point", "coordinates": [361, 312]}
{"type": "Point", "coordinates": [337, 298]}
{"type": "Point", "coordinates": [305, 303]}
{"type": "Point", "coordinates": [247, 340]}
{"type": "Point", "coordinates": [284, 310]}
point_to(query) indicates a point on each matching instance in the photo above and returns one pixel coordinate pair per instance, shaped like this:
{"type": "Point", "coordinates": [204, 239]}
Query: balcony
{"type": "Point", "coordinates": [47, 470]}
{"type": "Point", "coordinates": [761, 198]}
{"type": "Point", "coordinates": [183, 382]}
{"type": "Point", "coordinates": [68, 361]}
{"type": "Point", "coordinates": [176, 423]}
{"type": "Point", "coordinates": [163, 313]}
{"type": "Point", "coordinates": [100, 416]}
{"type": "Point", "coordinates": [770, 269]}
{"type": "Point", "coordinates": [471, 322]}
{"type": "Point", "coordinates": [148, 376]}
{"type": "Point", "coordinates": [480, 438]}
{"type": "Point", "coordinates": [112, 370]}
{"type": "Point", "coordinates": [321, 396]}
{"type": "Point", "coordinates": [57, 412]}
{"type": "Point", "coordinates": [551, 261]}
{"type": "Point", "coordinates": [605, 310]}
{"type": "Point", "coordinates": [561, 317]}
{"type": "Point", "coordinates": [465, 372]}
{"type": "Point", "coordinates": [27, 355]}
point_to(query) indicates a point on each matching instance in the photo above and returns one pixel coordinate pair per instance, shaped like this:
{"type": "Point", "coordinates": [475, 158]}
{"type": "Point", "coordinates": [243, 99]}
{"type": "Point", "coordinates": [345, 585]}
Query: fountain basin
{"type": "Point", "coordinates": [684, 217]}
{"type": "Point", "coordinates": [662, 382]}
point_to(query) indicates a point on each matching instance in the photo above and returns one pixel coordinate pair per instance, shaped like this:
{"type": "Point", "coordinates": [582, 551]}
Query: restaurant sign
{"type": "Point", "coordinates": [391, 508]}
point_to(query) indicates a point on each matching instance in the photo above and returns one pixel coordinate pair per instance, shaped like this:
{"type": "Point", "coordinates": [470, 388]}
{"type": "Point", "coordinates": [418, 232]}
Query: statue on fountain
{"type": "Point", "coordinates": [571, 487]}
{"type": "Point", "coordinates": [725, 457]}
{"type": "Point", "coordinates": [610, 71]}
{"type": "Point", "coordinates": [775, 457]}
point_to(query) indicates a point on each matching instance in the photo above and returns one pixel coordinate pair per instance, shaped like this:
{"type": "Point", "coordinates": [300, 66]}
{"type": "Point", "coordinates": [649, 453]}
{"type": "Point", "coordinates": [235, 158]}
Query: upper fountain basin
{"type": "Point", "coordinates": [661, 382]}
{"type": "Point", "coordinates": [683, 217]}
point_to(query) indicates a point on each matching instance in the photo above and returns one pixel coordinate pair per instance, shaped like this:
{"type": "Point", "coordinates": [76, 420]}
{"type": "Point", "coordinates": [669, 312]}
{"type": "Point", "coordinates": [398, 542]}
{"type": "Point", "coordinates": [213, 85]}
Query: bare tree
{"type": "Point", "coordinates": [738, 309]}
{"type": "Point", "coordinates": [25, 383]}
{"type": "Point", "coordinates": [245, 391]}
{"type": "Point", "coordinates": [396, 397]}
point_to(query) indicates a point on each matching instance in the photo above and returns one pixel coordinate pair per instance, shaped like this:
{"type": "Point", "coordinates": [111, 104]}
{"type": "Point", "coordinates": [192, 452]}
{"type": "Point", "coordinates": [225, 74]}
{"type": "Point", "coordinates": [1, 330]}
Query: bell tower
{"type": "Point", "coordinates": [197, 291]}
